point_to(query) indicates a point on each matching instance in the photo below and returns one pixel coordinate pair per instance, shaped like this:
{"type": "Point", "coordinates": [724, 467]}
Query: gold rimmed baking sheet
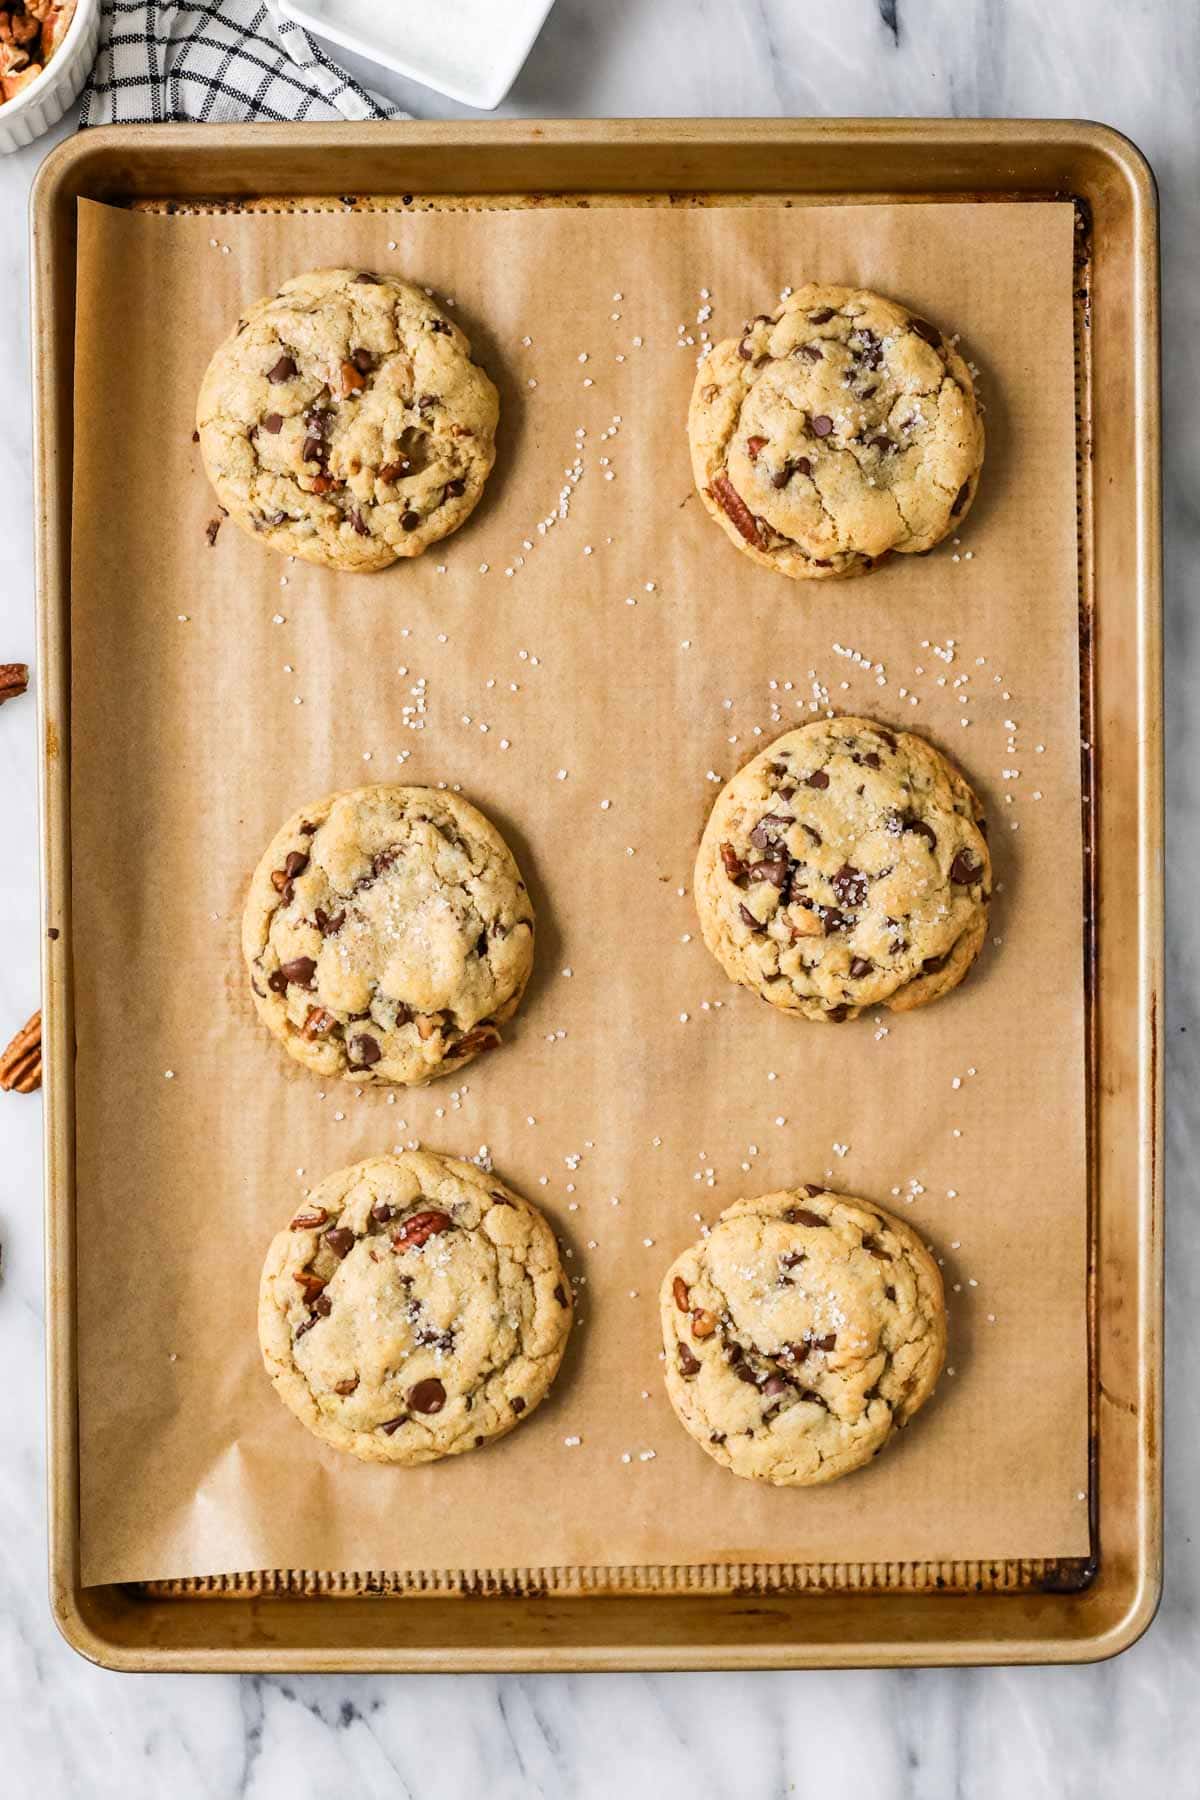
{"type": "Point", "coordinates": [927, 1574]}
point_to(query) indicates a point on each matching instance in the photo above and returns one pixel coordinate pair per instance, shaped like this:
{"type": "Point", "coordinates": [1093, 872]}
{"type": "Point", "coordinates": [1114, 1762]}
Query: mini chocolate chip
{"type": "Point", "coordinates": [960, 499]}
{"type": "Point", "coordinates": [822, 315]}
{"type": "Point", "coordinates": [812, 1190]}
{"type": "Point", "coordinates": [826, 1343]}
{"type": "Point", "coordinates": [340, 1240]}
{"type": "Point", "coordinates": [409, 521]}
{"type": "Point", "coordinates": [363, 361]}
{"type": "Point", "coordinates": [300, 969]}
{"type": "Point", "coordinates": [860, 966]}
{"type": "Point", "coordinates": [454, 490]}
{"type": "Point", "coordinates": [688, 1364]}
{"type": "Point", "coordinates": [810, 351]}
{"type": "Point", "coordinates": [428, 1396]}
{"type": "Point", "coordinates": [359, 523]}
{"type": "Point", "coordinates": [440, 326]}
{"type": "Point", "coordinates": [391, 1425]}
{"type": "Point", "coordinates": [273, 423]}
{"type": "Point", "coordinates": [964, 869]}
{"type": "Point", "coordinates": [929, 332]}
{"type": "Point", "coordinates": [381, 1212]}
{"type": "Point", "coordinates": [889, 1293]}
{"type": "Point", "coordinates": [822, 425]}
{"type": "Point", "coordinates": [818, 779]}
{"type": "Point", "coordinates": [792, 1258]}
{"type": "Point", "coordinates": [799, 1215]}
{"type": "Point", "coordinates": [364, 1051]}
{"type": "Point", "coordinates": [837, 1013]}
{"type": "Point", "coordinates": [284, 369]}
{"type": "Point", "coordinates": [518, 1404]}
{"type": "Point", "coordinates": [277, 981]}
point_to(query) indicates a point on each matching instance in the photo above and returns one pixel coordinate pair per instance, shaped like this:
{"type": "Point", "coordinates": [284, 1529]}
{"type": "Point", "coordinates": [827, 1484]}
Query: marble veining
{"type": "Point", "coordinates": [67, 1729]}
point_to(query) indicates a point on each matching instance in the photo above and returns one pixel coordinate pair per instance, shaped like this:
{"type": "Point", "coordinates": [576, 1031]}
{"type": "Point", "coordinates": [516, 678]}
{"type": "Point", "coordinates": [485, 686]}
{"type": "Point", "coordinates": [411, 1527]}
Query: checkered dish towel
{"type": "Point", "coordinates": [215, 63]}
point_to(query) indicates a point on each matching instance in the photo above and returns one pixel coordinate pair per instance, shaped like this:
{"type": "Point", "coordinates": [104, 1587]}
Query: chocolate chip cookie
{"type": "Point", "coordinates": [801, 1333]}
{"type": "Point", "coordinates": [845, 867]}
{"type": "Point", "coordinates": [413, 1308]}
{"type": "Point", "coordinates": [388, 935]}
{"type": "Point", "coordinates": [344, 421]}
{"type": "Point", "coordinates": [834, 431]}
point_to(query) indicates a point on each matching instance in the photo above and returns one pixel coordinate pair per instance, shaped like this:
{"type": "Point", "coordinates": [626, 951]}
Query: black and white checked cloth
{"type": "Point", "coordinates": [215, 62]}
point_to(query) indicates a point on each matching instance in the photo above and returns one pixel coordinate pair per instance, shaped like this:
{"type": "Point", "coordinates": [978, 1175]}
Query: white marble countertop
{"type": "Point", "coordinates": [69, 1729]}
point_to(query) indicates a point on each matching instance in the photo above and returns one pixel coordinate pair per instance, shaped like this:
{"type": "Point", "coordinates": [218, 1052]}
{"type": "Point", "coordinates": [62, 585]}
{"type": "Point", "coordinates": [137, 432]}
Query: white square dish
{"type": "Point", "coordinates": [472, 50]}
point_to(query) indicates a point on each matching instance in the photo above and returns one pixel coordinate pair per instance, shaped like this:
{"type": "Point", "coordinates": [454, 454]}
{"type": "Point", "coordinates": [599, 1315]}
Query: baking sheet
{"type": "Point", "coordinates": [188, 748]}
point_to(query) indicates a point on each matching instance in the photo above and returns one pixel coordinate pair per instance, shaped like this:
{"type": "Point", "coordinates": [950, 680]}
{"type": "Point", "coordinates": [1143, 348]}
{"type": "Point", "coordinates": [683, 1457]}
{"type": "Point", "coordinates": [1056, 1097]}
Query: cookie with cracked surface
{"type": "Point", "coordinates": [344, 422]}
{"type": "Point", "coordinates": [388, 935]}
{"type": "Point", "coordinates": [835, 431]}
{"type": "Point", "coordinates": [845, 867]}
{"type": "Point", "coordinates": [414, 1308]}
{"type": "Point", "coordinates": [800, 1334]}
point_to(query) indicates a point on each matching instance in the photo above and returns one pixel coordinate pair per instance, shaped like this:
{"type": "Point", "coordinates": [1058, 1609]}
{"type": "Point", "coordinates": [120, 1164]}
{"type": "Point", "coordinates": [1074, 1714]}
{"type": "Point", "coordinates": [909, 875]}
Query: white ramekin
{"type": "Point", "coordinates": [43, 103]}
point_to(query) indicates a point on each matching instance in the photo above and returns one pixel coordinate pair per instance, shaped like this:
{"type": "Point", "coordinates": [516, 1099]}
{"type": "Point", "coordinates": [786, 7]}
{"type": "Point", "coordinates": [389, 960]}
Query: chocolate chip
{"type": "Point", "coordinates": [799, 1215]}
{"type": "Point", "coordinates": [745, 1373]}
{"type": "Point", "coordinates": [822, 315]}
{"type": "Point", "coordinates": [836, 1014]}
{"type": "Point", "coordinates": [776, 1384]}
{"type": "Point", "coordinates": [792, 1258]}
{"type": "Point", "coordinates": [795, 1353]}
{"type": "Point", "coordinates": [753, 447]}
{"type": "Point", "coordinates": [364, 1052]}
{"type": "Point", "coordinates": [273, 423]}
{"type": "Point", "coordinates": [688, 1364]}
{"type": "Point", "coordinates": [440, 326]}
{"type": "Point", "coordinates": [812, 1190]}
{"type": "Point", "coordinates": [831, 919]}
{"type": "Point", "coordinates": [381, 1212]}
{"type": "Point", "coordinates": [874, 1248]}
{"type": "Point", "coordinates": [744, 350]}
{"type": "Point", "coordinates": [775, 869]}
{"type": "Point", "coordinates": [881, 443]}
{"type": "Point", "coordinates": [766, 832]}
{"type": "Point", "coordinates": [964, 869]}
{"type": "Point", "coordinates": [391, 1425]}
{"type": "Point", "coordinates": [428, 1396]}
{"type": "Point", "coordinates": [929, 332]}
{"type": "Point", "coordinates": [679, 1291]}
{"type": "Point", "coordinates": [346, 1387]}
{"type": "Point", "coordinates": [363, 360]}
{"type": "Point", "coordinates": [822, 425]}
{"type": "Point", "coordinates": [826, 1343]}
{"type": "Point", "coordinates": [326, 925]}
{"type": "Point", "coordinates": [367, 279]}
{"type": "Point", "coordinates": [812, 834]}
{"type": "Point", "coordinates": [810, 351]}
{"type": "Point", "coordinates": [518, 1404]}
{"type": "Point", "coordinates": [409, 521]}
{"type": "Point", "coordinates": [860, 966]}
{"type": "Point", "coordinates": [560, 1294]}
{"type": "Point", "coordinates": [340, 1240]}
{"type": "Point", "coordinates": [871, 759]}
{"type": "Point", "coordinates": [300, 970]}
{"type": "Point", "coordinates": [960, 499]}
{"type": "Point", "coordinates": [295, 863]}
{"type": "Point", "coordinates": [889, 1293]}
{"type": "Point", "coordinates": [359, 523]}
{"type": "Point", "coordinates": [907, 822]}
{"type": "Point", "coordinates": [932, 964]}
{"type": "Point", "coordinates": [818, 779]}
{"type": "Point", "coordinates": [850, 885]}
{"type": "Point", "coordinates": [454, 490]}
{"type": "Point", "coordinates": [284, 369]}
{"type": "Point", "coordinates": [313, 451]}
{"type": "Point", "coordinates": [277, 981]}
{"type": "Point", "coordinates": [749, 919]}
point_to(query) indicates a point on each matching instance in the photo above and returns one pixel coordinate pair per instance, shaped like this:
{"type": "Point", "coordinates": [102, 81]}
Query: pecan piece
{"type": "Point", "coordinates": [21, 1063]}
{"type": "Point", "coordinates": [483, 1037]}
{"type": "Point", "coordinates": [318, 1023]}
{"type": "Point", "coordinates": [736, 510]}
{"type": "Point", "coordinates": [420, 1227]}
{"type": "Point", "coordinates": [309, 1219]}
{"type": "Point", "coordinates": [312, 1284]}
{"type": "Point", "coordinates": [14, 679]}
{"type": "Point", "coordinates": [679, 1289]}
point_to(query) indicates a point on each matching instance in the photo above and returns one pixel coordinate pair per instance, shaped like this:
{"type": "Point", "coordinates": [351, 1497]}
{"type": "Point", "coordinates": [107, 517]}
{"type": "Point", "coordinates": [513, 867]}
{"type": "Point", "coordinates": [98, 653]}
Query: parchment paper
{"type": "Point", "coordinates": [216, 690]}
